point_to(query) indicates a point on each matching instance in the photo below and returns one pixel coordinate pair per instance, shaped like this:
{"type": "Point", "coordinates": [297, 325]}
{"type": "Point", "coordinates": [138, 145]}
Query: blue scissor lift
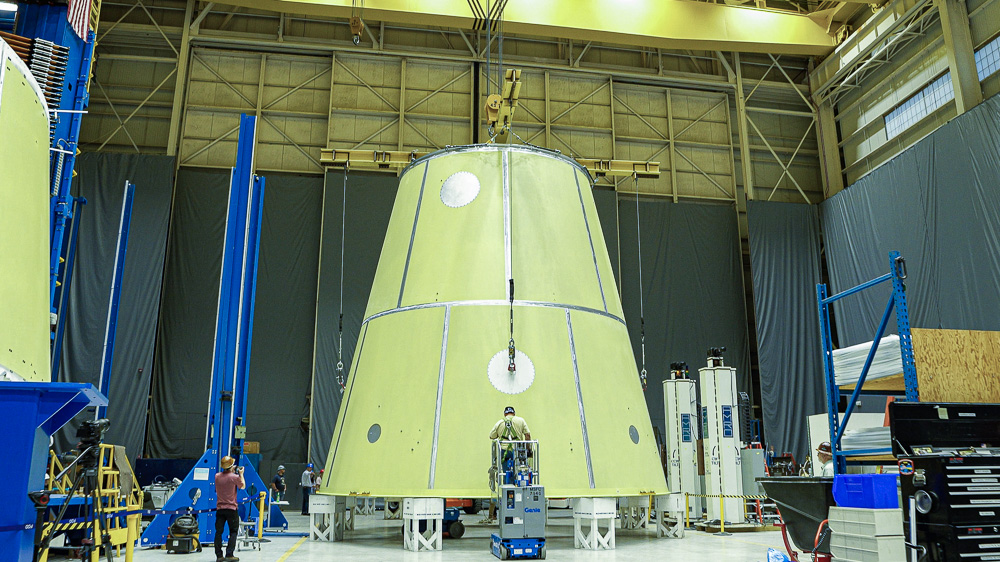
{"type": "Point", "coordinates": [226, 426]}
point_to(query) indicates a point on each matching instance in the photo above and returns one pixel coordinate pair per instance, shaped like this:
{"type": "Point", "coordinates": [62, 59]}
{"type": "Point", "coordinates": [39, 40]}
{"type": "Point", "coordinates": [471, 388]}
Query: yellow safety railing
{"type": "Point", "coordinates": [722, 507]}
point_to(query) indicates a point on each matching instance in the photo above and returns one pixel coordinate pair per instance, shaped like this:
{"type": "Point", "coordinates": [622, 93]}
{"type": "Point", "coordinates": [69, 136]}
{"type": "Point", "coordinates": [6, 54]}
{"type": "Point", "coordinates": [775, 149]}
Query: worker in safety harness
{"type": "Point", "coordinates": [510, 428]}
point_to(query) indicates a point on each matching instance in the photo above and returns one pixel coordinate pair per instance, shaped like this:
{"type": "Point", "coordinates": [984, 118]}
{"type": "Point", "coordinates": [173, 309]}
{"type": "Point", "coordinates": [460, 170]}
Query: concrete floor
{"type": "Point", "coordinates": [377, 539]}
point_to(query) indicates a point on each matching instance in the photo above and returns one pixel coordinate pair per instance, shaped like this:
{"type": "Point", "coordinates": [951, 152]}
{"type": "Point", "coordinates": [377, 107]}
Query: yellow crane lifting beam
{"type": "Point", "coordinates": [666, 24]}
{"type": "Point", "coordinates": [395, 160]}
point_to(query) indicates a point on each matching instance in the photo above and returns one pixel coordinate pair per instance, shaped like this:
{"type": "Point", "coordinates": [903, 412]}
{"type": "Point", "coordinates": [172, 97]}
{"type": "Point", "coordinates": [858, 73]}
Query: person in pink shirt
{"type": "Point", "coordinates": [227, 485]}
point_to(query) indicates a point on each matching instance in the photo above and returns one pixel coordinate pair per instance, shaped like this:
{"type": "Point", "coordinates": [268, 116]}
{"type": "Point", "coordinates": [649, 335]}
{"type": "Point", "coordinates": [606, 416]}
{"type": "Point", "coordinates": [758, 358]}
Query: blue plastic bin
{"type": "Point", "coordinates": [872, 491]}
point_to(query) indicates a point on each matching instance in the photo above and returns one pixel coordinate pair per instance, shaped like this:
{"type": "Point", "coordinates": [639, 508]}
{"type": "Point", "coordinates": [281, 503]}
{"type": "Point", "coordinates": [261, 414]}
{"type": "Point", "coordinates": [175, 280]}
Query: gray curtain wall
{"type": "Point", "coordinates": [281, 353]}
{"type": "Point", "coordinates": [692, 285]}
{"type": "Point", "coordinates": [369, 201]}
{"type": "Point", "coordinates": [101, 179]}
{"type": "Point", "coordinates": [938, 204]}
{"type": "Point", "coordinates": [785, 261]}
{"type": "Point", "coordinates": [183, 363]}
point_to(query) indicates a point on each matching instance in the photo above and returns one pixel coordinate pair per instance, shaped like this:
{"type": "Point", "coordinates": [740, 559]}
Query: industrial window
{"type": "Point", "coordinates": [988, 59]}
{"type": "Point", "coordinates": [920, 105]}
{"type": "Point", "coordinates": [939, 92]}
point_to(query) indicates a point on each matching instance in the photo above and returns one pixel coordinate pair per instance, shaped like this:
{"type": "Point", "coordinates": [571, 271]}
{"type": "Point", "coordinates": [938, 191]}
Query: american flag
{"type": "Point", "coordinates": [78, 15]}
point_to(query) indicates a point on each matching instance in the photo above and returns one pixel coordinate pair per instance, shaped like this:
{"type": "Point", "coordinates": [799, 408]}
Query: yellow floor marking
{"type": "Point", "coordinates": [291, 550]}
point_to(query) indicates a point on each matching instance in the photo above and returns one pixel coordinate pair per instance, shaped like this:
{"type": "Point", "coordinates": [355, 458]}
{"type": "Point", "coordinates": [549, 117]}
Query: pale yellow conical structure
{"type": "Point", "coordinates": [423, 393]}
{"type": "Point", "coordinates": [24, 223]}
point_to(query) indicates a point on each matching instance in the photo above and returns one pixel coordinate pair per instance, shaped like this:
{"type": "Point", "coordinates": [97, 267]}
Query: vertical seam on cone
{"type": "Point", "coordinates": [590, 238]}
{"type": "Point", "coordinates": [413, 234]}
{"type": "Point", "coordinates": [440, 396]}
{"type": "Point", "coordinates": [579, 400]}
{"type": "Point", "coordinates": [340, 429]}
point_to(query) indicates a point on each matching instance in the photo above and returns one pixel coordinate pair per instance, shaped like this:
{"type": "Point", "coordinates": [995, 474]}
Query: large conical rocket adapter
{"type": "Point", "coordinates": [430, 374]}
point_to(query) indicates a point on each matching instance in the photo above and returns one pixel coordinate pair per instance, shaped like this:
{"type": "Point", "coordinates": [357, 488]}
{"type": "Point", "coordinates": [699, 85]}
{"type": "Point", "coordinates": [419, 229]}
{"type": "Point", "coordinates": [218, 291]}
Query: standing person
{"type": "Point", "coordinates": [227, 485]}
{"type": "Point", "coordinates": [318, 480]}
{"type": "Point", "coordinates": [278, 484]}
{"type": "Point", "coordinates": [306, 482]}
{"type": "Point", "coordinates": [825, 455]}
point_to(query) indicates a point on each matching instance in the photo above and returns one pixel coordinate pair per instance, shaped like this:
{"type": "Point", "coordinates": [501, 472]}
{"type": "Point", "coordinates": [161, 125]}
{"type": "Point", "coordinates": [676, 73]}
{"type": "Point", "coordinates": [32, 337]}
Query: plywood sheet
{"type": "Point", "coordinates": [894, 382]}
{"type": "Point", "coordinates": [957, 365]}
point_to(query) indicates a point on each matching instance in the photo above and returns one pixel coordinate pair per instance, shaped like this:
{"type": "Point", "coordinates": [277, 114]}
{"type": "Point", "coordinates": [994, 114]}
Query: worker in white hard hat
{"type": "Point", "coordinates": [307, 484]}
{"type": "Point", "coordinates": [278, 484]}
{"type": "Point", "coordinates": [228, 483]}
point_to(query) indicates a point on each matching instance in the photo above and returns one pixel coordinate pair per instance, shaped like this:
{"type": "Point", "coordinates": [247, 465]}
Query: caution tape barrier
{"type": "Point", "coordinates": [748, 497]}
{"type": "Point", "coordinates": [68, 524]}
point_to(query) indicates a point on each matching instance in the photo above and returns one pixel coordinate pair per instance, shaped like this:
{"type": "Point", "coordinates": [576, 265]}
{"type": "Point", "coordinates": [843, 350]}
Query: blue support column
{"type": "Point", "coordinates": [226, 425]}
{"type": "Point", "coordinates": [247, 298]}
{"type": "Point", "coordinates": [32, 413]}
{"type": "Point", "coordinates": [63, 290]}
{"type": "Point", "coordinates": [832, 390]}
{"type": "Point", "coordinates": [111, 328]}
{"type": "Point", "coordinates": [62, 179]}
{"type": "Point", "coordinates": [898, 268]}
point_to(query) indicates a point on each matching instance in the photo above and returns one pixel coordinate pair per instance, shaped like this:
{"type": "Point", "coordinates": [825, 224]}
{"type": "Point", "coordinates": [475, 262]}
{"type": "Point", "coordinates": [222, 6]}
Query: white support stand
{"type": "Point", "coordinates": [393, 508]}
{"type": "Point", "coordinates": [634, 512]}
{"type": "Point", "coordinates": [327, 517]}
{"type": "Point", "coordinates": [429, 510]}
{"type": "Point", "coordinates": [594, 513]}
{"type": "Point", "coordinates": [352, 510]}
{"type": "Point", "coordinates": [364, 505]}
{"type": "Point", "coordinates": [671, 505]}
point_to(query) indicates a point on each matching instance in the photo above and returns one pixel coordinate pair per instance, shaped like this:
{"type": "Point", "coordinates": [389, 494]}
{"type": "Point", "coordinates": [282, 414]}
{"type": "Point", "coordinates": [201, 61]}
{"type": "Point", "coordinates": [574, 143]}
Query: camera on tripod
{"type": "Point", "coordinates": [91, 432]}
{"type": "Point", "coordinates": [91, 436]}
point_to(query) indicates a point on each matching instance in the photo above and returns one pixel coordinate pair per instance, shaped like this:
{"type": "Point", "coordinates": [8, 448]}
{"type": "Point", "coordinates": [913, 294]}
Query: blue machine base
{"type": "Point", "coordinates": [202, 478]}
{"type": "Point", "coordinates": [517, 549]}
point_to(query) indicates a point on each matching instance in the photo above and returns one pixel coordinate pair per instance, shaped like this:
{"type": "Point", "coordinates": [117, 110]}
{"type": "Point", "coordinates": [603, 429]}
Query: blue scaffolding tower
{"type": "Point", "coordinates": [897, 301]}
{"type": "Point", "coordinates": [226, 428]}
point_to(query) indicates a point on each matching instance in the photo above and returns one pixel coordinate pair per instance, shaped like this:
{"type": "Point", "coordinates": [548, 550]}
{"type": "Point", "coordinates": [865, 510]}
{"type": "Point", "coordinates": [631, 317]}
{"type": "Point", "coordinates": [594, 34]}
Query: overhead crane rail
{"type": "Point", "coordinates": [396, 160]}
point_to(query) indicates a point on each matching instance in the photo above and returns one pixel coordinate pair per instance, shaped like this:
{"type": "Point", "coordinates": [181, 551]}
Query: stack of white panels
{"type": "Point", "coordinates": [847, 362]}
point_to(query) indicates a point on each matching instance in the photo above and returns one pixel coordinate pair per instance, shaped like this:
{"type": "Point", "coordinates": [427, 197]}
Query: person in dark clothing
{"type": "Point", "coordinates": [278, 484]}
{"type": "Point", "coordinates": [228, 483]}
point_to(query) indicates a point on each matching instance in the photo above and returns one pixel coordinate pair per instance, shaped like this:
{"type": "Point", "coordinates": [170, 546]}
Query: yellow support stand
{"type": "Point", "coordinates": [687, 510]}
{"type": "Point", "coordinates": [260, 515]}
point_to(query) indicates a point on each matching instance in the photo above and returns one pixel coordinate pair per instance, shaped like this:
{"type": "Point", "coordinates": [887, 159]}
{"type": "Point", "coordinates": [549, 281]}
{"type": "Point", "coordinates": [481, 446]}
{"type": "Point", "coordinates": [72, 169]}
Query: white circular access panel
{"type": "Point", "coordinates": [507, 382]}
{"type": "Point", "coordinates": [460, 189]}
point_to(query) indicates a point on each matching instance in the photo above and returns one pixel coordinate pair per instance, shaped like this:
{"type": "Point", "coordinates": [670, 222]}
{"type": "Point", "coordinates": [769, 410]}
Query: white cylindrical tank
{"type": "Point", "coordinates": [680, 406]}
{"type": "Point", "coordinates": [721, 428]}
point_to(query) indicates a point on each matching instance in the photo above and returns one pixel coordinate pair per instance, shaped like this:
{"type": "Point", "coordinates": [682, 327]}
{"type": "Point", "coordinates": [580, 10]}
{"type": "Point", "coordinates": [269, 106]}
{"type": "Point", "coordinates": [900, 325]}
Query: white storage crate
{"type": "Point", "coordinates": [866, 522]}
{"type": "Point", "coordinates": [857, 548]}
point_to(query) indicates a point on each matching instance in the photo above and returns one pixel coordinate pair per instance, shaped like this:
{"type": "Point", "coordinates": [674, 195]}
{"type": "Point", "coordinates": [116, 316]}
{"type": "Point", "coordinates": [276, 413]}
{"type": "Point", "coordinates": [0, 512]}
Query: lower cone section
{"type": "Point", "coordinates": [404, 434]}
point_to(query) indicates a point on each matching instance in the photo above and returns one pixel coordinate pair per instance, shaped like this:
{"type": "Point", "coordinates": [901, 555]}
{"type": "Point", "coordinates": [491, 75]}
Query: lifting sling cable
{"type": "Point", "coordinates": [511, 349]}
{"type": "Point", "coordinates": [340, 327]}
{"type": "Point", "coordinates": [642, 321]}
{"type": "Point", "coordinates": [500, 5]}
{"type": "Point", "coordinates": [489, 44]}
